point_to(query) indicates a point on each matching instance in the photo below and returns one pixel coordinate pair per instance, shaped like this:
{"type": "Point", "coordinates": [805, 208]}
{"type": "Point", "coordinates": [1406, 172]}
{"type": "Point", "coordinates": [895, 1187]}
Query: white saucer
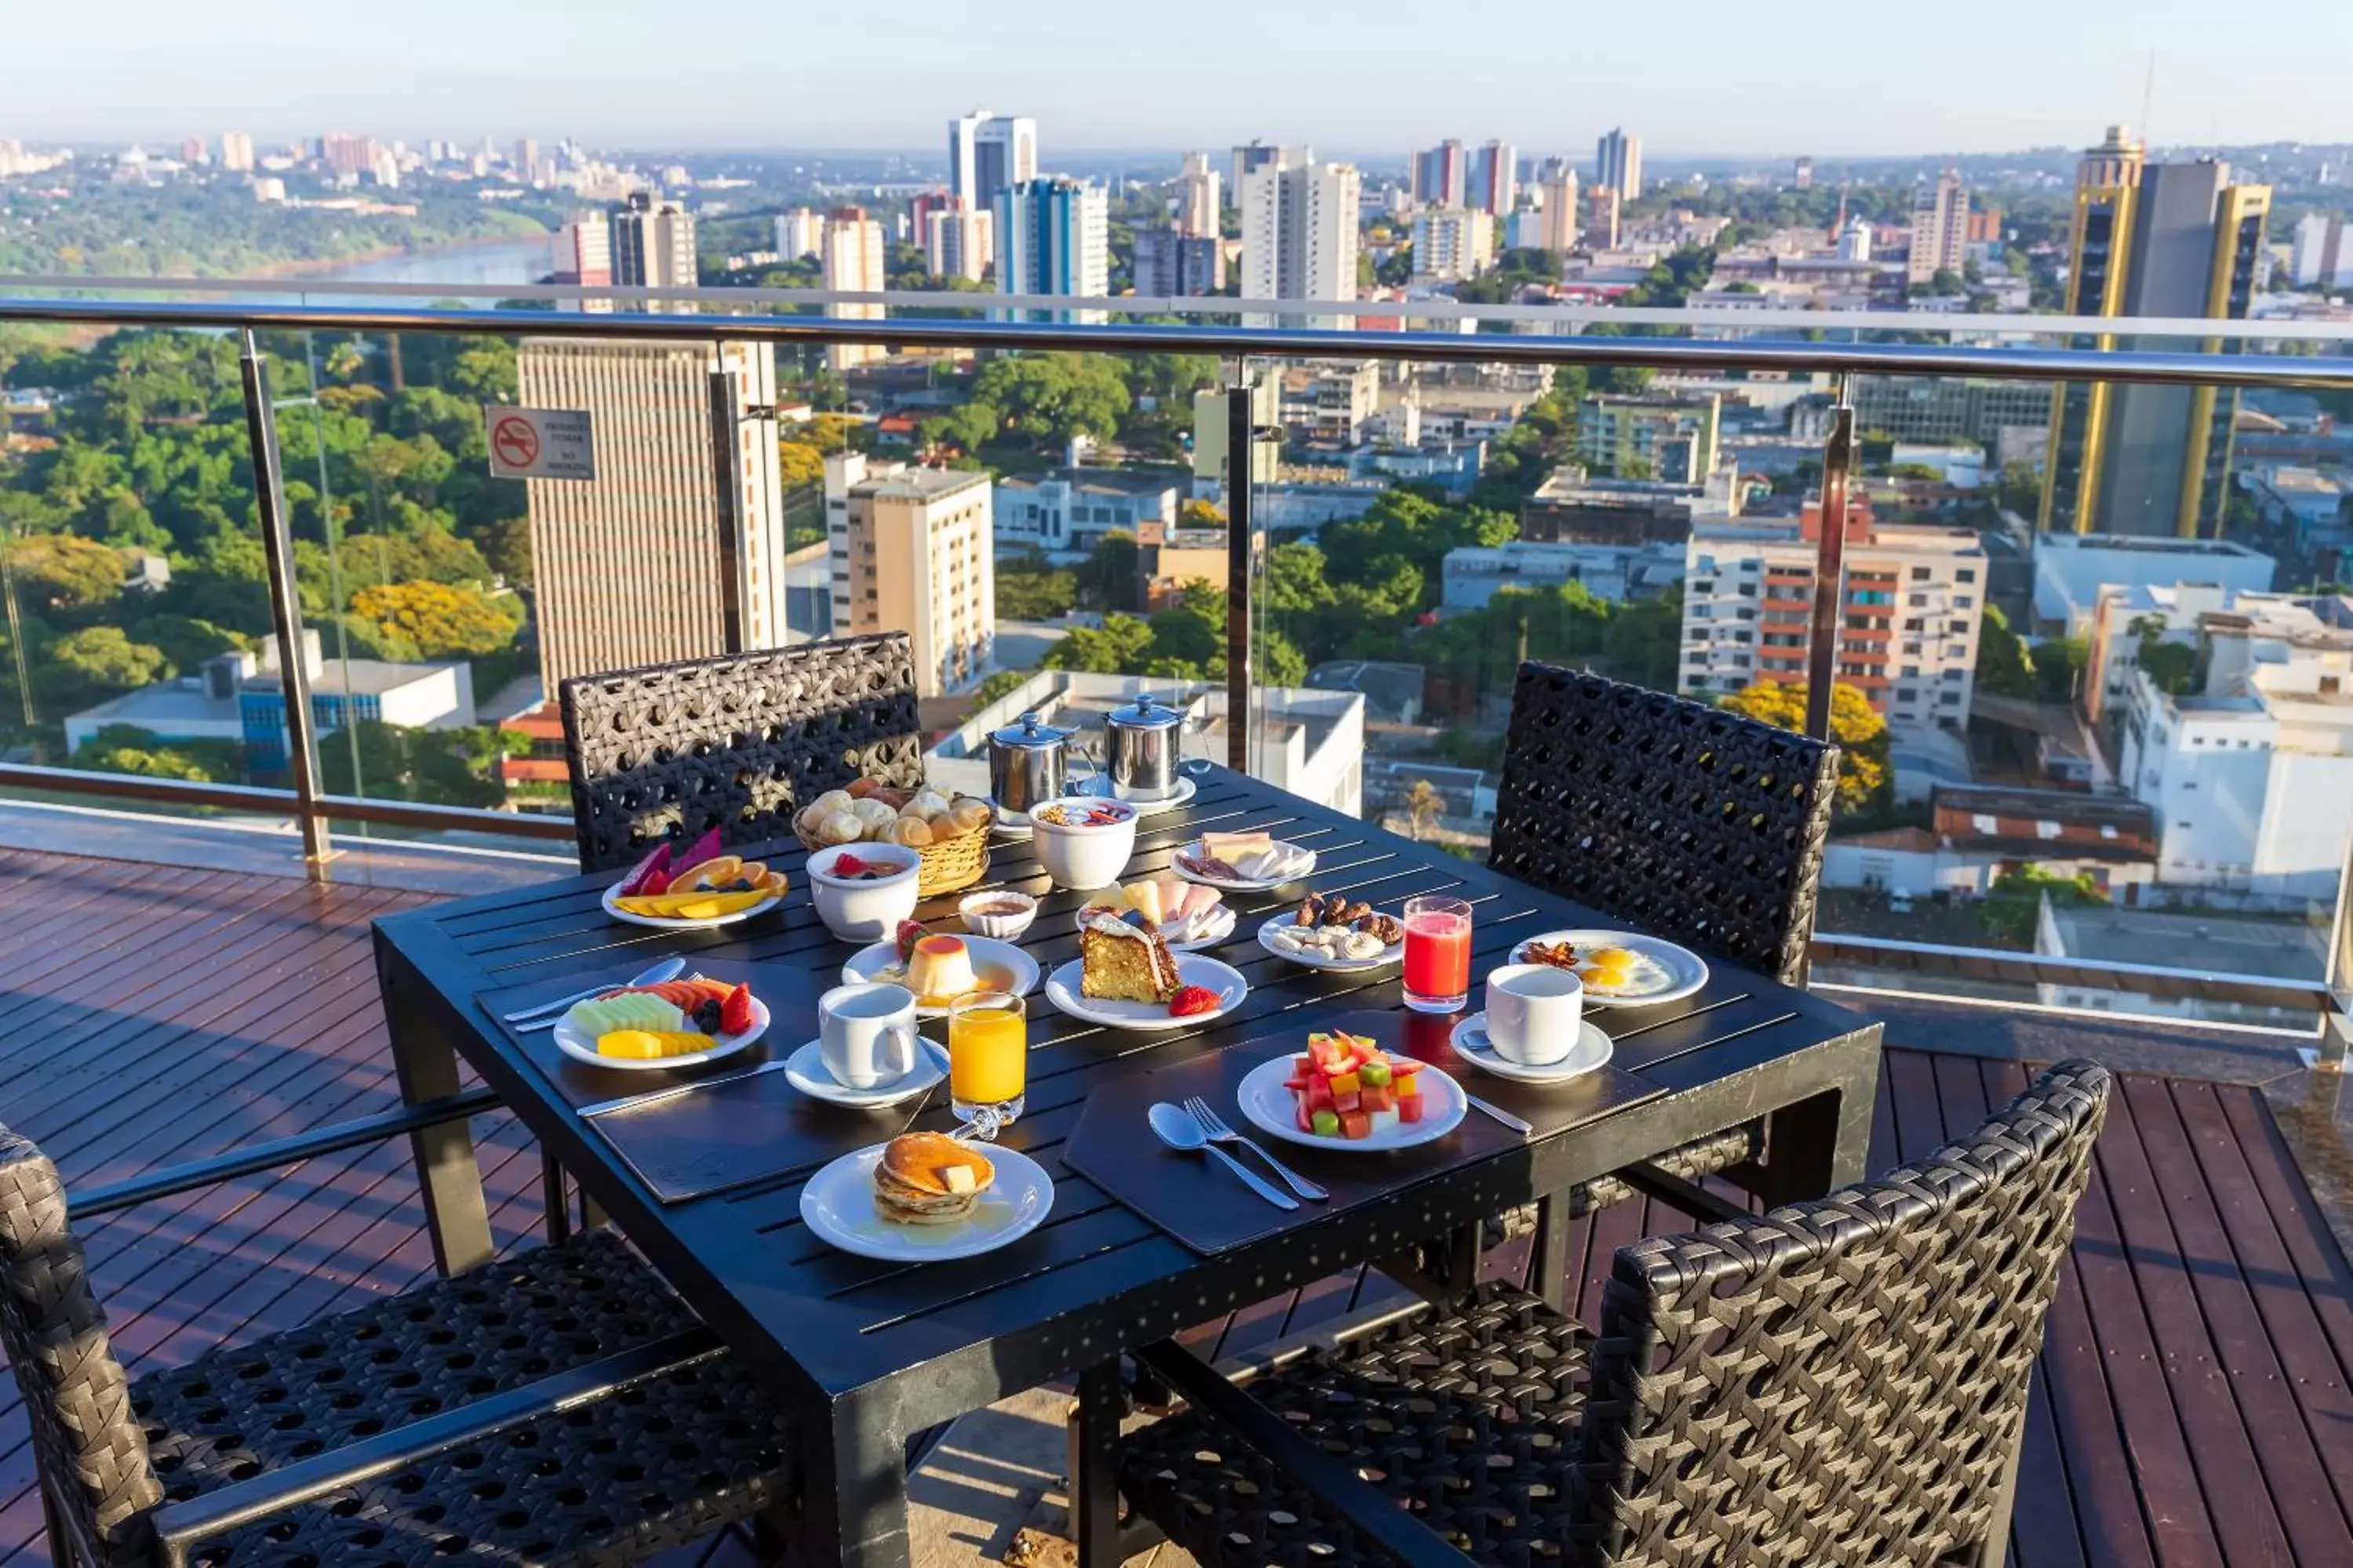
{"type": "Point", "coordinates": [837, 1205]}
{"type": "Point", "coordinates": [1593, 1049]}
{"type": "Point", "coordinates": [1099, 788]}
{"type": "Point", "coordinates": [805, 1071]}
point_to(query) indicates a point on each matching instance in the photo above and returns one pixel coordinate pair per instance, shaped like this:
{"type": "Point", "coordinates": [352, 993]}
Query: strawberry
{"type": "Point", "coordinates": [847, 864]}
{"type": "Point", "coordinates": [735, 1013]}
{"type": "Point", "coordinates": [909, 934]}
{"type": "Point", "coordinates": [1192, 999]}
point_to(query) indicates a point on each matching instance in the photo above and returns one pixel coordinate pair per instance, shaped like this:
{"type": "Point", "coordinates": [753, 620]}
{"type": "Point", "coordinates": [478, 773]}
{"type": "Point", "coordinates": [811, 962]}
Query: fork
{"type": "Point", "coordinates": [1218, 1132]}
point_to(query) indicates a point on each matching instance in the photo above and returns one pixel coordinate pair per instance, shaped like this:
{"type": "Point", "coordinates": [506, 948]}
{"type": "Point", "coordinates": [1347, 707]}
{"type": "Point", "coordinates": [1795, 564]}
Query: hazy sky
{"type": "Point", "coordinates": [1700, 76]}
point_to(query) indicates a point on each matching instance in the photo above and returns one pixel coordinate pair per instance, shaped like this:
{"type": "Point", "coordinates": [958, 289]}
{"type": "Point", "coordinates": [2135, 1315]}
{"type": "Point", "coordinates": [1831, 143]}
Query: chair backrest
{"type": "Point", "coordinates": [739, 743]}
{"type": "Point", "coordinates": [90, 1447]}
{"type": "Point", "coordinates": [1679, 818]}
{"type": "Point", "coordinates": [1841, 1382]}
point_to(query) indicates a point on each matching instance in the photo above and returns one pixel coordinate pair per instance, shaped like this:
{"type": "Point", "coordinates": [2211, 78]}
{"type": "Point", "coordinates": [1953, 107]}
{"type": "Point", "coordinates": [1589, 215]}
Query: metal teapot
{"type": "Point", "coordinates": [1028, 760]}
{"type": "Point", "coordinates": [1141, 741]}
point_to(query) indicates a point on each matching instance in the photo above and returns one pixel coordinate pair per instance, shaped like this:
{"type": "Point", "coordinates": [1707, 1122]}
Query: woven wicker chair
{"type": "Point", "coordinates": [1832, 1384]}
{"type": "Point", "coordinates": [1681, 820]}
{"type": "Point", "coordinates": [737, 743]}
{"type": "Point", "coordinates": [562, 1408]}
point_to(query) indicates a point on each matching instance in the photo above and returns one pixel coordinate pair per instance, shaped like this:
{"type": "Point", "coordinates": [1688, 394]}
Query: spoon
{"type": "Point", "coordinates": [1175, 1127]}
{"type": "Point", "coordinates": [654, 974]}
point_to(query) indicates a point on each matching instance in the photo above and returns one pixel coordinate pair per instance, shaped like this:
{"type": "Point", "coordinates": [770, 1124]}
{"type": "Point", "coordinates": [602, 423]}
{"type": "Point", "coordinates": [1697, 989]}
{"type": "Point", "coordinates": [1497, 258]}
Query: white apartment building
{"type": "Point", "coordinates": [959, 244]}
{"type": "Point", "coordinates": [989, 153]}
{"type": "Point", "coordinates": [2252, 780]}
{"type": "Point", "coordinates": [237, 152]}
{"type": "Point", "coordinates": [852, 253]}
{"type": "Point", "coordinates": [2322, 253]}
{"type": "Point", "coordinates": [1299, 235]}
{"type": "Point", "coordinates": [1556, 208]}
{"type": "Point", "coordinates": [1331, 402]}
{"type": "Point", "coordinates": [913, 550]}
{"type": "Point", "coordinates": [1200, 196]}
{"type": "Point", "coordinates": [1940, 229]}
{"type": "Point", "coordinates": [800, 232]}
{"type": "Point", "coordinates": [1914, 599]}
{"type": "Point", "coordinates": [653, 247]}
{"type": "Point", "coordinates": [1066, 511]}
{"type": "Point", "coordinates": [2071, 571]}
{"type": "Point", "coordinates": [1452, 243]}
{"type": "Point", "coordinates": [1617, 164]}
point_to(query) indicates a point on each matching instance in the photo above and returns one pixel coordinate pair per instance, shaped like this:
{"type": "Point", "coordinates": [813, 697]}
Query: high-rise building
{"type": "Point", "coordinates": [913, 550]}
{"type": "Point", "coordinates": [958, 242]}
{"type": "Point", "coordinates": [526, 159]}
{"type": "Point", "coordinates": [1452, 243]}
{"type": "Point", "coordinates": [1671, 440]}
{"type": "Point", "coordinates": [192, 151]}
{"type": "Point", "coordinates": [1804, 174]}
{"type": "Point", "coordinates": [653, 247]}
{"type": "Point", "coordinates": [1494, 185]}
{"type": "Point", "coordinates": [2163, 239]}
{"type": "Point", "coordinates": [1602, 218]}
{"type": "Point", "coordinates": [854, 263]}
{"type": "Point", "coordinates": [346, 153]}
{"type": "Point", "coordinates": [1984, 223]}
{"type": "Point", "coordinates": [1172, 264]}
{"type": "Point", "coordinates": [1256, 155]}
{"type": "Point", "coordinates": [1617, 164]}
{"type": "Point", "coordinates": [1299, 235]}
{"type": "Point", "coordinates": [799, 233]}
{"type": "Point", "coordinates": [1558, 196]}
{"type": "Point", "coordinates": [1199, 199]}
{"type": "Point", "coordinates": [1442, 176]}
{"type": "Point", "coordinates": [584, 256]}
{"type": "Point", "coordinates": [1853, 242]}
{"type": "Point", "coordinates": [237, 150]}
{"type": "Point", "coordinates": [627, 566]}
{"type": "Point", "coordinates": [1053, 236]}
{"type": "Point", "coordinates": [989, 152]}
{"type": "Point", "coordinates": [2322, 256]}
{"type": "Point", "coordinates": [1940, 222]}
{"type": "Point", "coordinates": [1914, 601]}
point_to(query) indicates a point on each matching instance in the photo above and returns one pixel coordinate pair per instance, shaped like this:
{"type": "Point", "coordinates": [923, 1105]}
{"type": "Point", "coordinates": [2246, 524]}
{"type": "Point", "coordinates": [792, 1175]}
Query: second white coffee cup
{"type": "Point", "coordinates": [1534, 1011]}
{"type": "Point", "coordinates": [866, 1034]}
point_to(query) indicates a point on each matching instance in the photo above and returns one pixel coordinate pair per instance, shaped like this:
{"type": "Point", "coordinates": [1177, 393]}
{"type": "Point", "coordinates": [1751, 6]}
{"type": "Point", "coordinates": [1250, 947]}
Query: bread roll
{"type": "Point", "coordinates": [876, 817]}
{"type": "Point", "coordinates": [858, 789]}
{"type": "Point", "coordinates": [967, 815]}
{"type": "Point", "coordinates": [831, 801]}
{"type": "Point", "coordinates": [912, 831]}
{"type": "Point", "coordinates": [840, 828]}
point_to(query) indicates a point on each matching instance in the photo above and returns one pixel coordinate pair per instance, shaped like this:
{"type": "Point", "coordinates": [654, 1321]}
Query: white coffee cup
{"type": "Point", "coordinates": [1534, 1011]}
{"type": "Point", "coordinates": [866, 1034]}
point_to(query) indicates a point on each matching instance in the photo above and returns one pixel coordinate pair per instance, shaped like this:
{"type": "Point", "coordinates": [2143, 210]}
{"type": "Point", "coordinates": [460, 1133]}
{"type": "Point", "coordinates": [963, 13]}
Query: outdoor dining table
{"type": "Point", "coordinates": [869, 1353]}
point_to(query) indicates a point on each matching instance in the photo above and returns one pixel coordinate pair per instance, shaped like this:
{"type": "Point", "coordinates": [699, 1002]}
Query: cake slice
{"type": "Point", "coordinates": [1123, 958]}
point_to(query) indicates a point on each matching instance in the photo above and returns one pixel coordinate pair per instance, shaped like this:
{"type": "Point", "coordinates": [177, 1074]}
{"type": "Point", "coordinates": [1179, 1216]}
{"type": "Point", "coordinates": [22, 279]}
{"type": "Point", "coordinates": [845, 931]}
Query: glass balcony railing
{"type": "Point", "coordinates": [2099, 730]}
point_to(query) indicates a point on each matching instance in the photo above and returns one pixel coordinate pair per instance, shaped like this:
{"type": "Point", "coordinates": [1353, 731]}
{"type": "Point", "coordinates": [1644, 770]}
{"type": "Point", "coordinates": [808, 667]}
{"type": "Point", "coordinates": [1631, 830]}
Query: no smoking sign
{"type": "Point", "coordinates": [539, 443]}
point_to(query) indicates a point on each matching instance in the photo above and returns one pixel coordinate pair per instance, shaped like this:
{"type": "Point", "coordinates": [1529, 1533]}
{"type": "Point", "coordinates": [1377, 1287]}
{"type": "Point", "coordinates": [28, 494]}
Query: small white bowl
{"type": "Point", "coordinates": [1080, 855]}
{"type": "Point", "coordinates": [1003, 927]}
{"type": "Point", "coordinates": [865, 908]}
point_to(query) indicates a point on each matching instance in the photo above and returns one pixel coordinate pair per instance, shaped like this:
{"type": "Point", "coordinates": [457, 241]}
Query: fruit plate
{"type": "Point", "coordinates": [1665, 973]}
{"type": "Point", "coordinates": [837, 1205]}
{"type": "Point", "coordinates": [1000, 965]}
{"type": "Point", "coordinates": [1266, 938]}
{"type": "Point", "coordinates": [573, 1042]}
{"type": "Point", "coordinates": [1303, 864]}
{"type": "Point", "coordinates": [1192, 969]}
{"type": "Point", "coordinates": [1273, 1109]}
{"type": "Point", "coordinates": [658, 923]}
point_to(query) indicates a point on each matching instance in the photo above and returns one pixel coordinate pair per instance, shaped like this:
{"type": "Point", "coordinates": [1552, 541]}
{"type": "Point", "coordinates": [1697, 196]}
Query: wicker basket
{"type": "Point", "coordinates": [950, 865]}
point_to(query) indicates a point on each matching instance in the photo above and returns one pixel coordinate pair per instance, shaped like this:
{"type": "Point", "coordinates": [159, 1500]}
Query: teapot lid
{"type": "Point", "coordinates": [1031, 732]}
{"type": "Point", "coordinates": [1147, 712]}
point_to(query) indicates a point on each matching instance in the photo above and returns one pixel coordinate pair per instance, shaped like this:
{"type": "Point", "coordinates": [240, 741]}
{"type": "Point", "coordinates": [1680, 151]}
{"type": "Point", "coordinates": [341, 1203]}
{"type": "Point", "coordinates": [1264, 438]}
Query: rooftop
{"type": "Point", "coordinates": [1099, 482]}
{"type": "Point", "coordinates": [2283, 950]}
{"type": "Point", "coordinates": [921, 484]}
{"type": "Point", "coordinates": [2134, 545]}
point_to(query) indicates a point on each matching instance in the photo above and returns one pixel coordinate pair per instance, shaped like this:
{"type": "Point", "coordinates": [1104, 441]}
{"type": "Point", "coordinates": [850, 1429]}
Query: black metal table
{"type": "Point", "coordinates": [870, 1352]}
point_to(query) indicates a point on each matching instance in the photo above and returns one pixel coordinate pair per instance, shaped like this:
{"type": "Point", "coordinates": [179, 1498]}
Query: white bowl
{"type": "Point", "coordinates": [1003, 927]}
{"type": "Point", "coordinates": [864, 909]}
{"type": "Point", "coordinates": [1083, 856]}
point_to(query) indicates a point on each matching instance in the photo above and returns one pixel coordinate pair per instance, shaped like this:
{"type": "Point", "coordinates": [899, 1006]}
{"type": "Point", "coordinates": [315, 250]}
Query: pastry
{"type": "Point", "coordinates": [940, 967]}
{"type": "Point", "coordinates": [1123, 958]}
{"type": "Point", "coordinates": [929, 1178]}
{"type": "Point", "coordinates": [1226, 846]}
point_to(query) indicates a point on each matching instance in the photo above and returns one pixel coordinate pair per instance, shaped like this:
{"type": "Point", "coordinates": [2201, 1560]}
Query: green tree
{"type": "Point", "coordinates": [1122, 642]}
{"type": "Point", "coordinates": [66, 572]}
{"type": "Point", "coordinates": [1028, 589]}
{"type": "Point", "coordinates": [1866, 778]}
{"type": "Point", "coordinates": [1050, 397]}
{"type": "Point", "coordinates": [997, 684]}
{"type": "Point", "coordinates": [84, 667]}
{"type": "Point", "coordinates": [2005, 664]}
{"type": "Point", "coordinates": [442, 767]}
{"type": "Point", "coordinates": [1109, 579]}
{"type": "Point", "coordinates": [128, 748]}
{"type": "Point", "coordinates": [438, 620]}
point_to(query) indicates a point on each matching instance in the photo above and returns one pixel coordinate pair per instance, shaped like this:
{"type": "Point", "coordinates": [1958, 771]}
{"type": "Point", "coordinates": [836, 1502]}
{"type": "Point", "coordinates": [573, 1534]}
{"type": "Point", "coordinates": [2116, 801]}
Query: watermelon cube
{"type": "Point", "coordinates": [1409, 1107]}
{"type": "Point", "coordinates": [1319, 1094]}
{"type": "Point", "coordinates": [1302, 1064]}
{"type": "Point", "coordinates": [1354, 1124]}
{"type": "Point", "coordinates": [1305, 1118]}
{"type": "Point", "coordinates": [1376, 1098]}
{"type": "Point", "coordinates": [1345, 1103]}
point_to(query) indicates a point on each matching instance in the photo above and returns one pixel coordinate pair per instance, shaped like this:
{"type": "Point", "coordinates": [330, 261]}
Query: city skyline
{"type": "Point", "coordinates": [171, 73]}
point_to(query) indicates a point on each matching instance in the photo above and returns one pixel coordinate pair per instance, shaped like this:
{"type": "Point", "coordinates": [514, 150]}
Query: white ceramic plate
{"type": "Point", "coordinates": [657, 923]}
{"type": "Point", "coordinates": [805, 1071]}
{"type": "Point", "coordinates": [1389, 955]}
{"type": "Point", "coordinates": [1273, 1109]}
{"type": "Point", "coordinates": [1244, 884]}
{"type": "Point", "coordinates": [1099, 788]}
{"type": "Point", "coordinates": [837, 1205]}
{"type": "Point", "coordinates": [1221, 926]}
{"type": "Point", "coordinates": [1192, 969]}
{"type": "Point", "coordinates": [1000, 965]}
{"type": "Point", "coordinates": [572, 1042]}
{"type": "Point", "coordinates": [1667, 974]}
{"type": "Point", "coordinates": [1593, 1049]}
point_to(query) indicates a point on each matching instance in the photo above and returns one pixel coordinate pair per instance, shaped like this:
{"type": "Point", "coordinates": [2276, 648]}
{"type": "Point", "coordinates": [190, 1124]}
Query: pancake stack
{"type": "Point", "coordinates": [929, 1178]}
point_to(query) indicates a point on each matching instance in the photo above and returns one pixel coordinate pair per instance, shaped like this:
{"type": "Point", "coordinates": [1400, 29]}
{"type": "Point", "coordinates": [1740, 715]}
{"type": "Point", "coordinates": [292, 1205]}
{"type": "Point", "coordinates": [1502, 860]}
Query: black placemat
{"type": "Point", "coordinates": [1202, 1204]}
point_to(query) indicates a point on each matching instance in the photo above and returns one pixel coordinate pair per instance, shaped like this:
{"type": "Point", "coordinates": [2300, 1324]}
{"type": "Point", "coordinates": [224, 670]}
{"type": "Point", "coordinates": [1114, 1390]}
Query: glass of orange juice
{"type": "Point", "coordinates": [988, 1060]}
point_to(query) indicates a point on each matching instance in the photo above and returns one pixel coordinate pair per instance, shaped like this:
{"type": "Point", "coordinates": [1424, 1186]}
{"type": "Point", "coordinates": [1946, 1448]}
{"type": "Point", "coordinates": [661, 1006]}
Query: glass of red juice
{"type": "Point", "coordinates": [1437, 953]}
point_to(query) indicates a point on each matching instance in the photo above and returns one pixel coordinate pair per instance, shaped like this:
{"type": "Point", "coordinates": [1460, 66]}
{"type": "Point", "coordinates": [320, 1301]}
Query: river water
{"type": "Point", "coordinates": [471, 266]}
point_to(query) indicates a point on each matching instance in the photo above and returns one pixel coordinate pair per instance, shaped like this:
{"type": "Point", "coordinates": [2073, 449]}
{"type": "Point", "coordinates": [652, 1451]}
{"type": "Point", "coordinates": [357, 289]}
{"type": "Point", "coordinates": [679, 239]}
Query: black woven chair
{"type": "Point", "coordinates": [1832, 1385]}
{"type": "Point", "coordinates": [1681, 819]}
{"type": "Point", "coordinates": [564, 1407]}
{"type": "Point", "coordinates": [739, 743]}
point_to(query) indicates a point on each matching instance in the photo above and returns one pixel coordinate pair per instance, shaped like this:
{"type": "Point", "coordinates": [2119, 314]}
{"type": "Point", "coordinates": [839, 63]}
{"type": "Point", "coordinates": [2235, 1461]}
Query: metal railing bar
{"type": "Point", "coordinates": [1837, 947]}
{"type": "Point", "coordinates": [265, 802]}
{"type": "Point", "coordinates": [1888, 359]}
{"type": "Point", "coordinates": [1434, 310]}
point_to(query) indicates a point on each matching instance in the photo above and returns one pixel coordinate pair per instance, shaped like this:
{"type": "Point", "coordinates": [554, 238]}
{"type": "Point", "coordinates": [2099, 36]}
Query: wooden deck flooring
{"type": "Point", "coordinates": [2191, 1407]}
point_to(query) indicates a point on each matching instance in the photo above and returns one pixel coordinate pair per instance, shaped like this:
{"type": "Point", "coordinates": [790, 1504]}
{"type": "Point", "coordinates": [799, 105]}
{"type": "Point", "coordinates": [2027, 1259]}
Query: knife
{"type": "Point", "coordinates": [671, 1092]}
{"type": "Point", "coordinates": [1523, 1128]}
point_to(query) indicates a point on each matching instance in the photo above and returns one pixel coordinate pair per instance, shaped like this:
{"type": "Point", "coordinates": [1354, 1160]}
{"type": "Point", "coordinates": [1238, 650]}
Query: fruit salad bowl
{"type": "Point", "coordinates": [863, 891]}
